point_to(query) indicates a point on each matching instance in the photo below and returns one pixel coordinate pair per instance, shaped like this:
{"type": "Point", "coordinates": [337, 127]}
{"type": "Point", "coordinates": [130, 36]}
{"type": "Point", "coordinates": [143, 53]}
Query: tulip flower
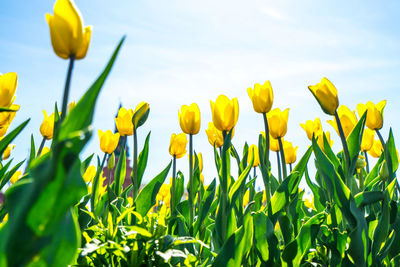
{"type": "Point", "coordinates": [261, 97]}
{"type": "Point", "coordinates": [374, 119]}
{"type": "Point", "coordinates": [376, 149]}
{"type": "Point", "coordinates": [326, 94]}
{"type": "Point", "coordinates": [189, 119]}
{"type": "Point", "coordinates": [47, 126]}
{"type": "Point", "coordinates": [290, 152]}
{"type": "Point", "coordinates": [108, 141]}
{"type": "Point", "coordinates": [124, 122]}
{"type": "Point", "coordinates": [6, 117]}
{"type": "Point", "coordinates": [312, 127]}
{"type": "Point", "coordinates": [8, 86]}
{"type": "Point", "coordinates": [7, 151]}
{"type": "Point", "coordinates": [141, 113]}
{"type": "Point", "coordinates": [367, 139]}
{"type": "Point", "coordinates": [44, 151]}
{"type": "Point", "coordinates": [348, 119]}
{"type": "Point", "coordinates": [273, 143]}
{"type": "Point", "coordinates": [164, 195]}
{"type": "Point", "coordinates": [68, 36]}
{"type": "Point", "coordinates": [177, 146]}
{"type": "Point", "coordinates": [214, 135]}
{"type": "Point", "coordinates": [253, 153]}
{"type": "Point", "coordinates": [225, 113]}
{"type": "Point", "coordinates": [277, 122]}
{"type": "Point", "coordinates": [16, 176]}
{"type": "Point", "coordinates": [89, 174]}
{"type": "Point", "coordinates": [320, 139]}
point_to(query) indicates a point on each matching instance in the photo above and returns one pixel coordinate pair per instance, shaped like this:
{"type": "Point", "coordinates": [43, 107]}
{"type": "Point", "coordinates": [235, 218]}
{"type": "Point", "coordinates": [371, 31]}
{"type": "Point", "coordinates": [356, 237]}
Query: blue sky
{"type": "Point", "coordinates": [179, 52]}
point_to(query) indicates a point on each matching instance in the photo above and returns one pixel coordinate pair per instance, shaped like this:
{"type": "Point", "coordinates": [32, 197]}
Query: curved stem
{"type": "Point", "coordinates": [282, 158]}
{"type": "Point", "coordinates": [173, 186]}
{"type": "Point", "coordinates": [66, 88]}
{"type": "Point", "coordinates": [380, 138]}
{"type": "Point", "coordinates": [190, 193]}
{"type": "Point", "coordinates": [366, 161]}
{"type": "Point", "coordinates": [134, 176]}
{"type": "Point", "coordinates": [343, 139]}
{"type": "Point", "coordinates": [278, 159]}
{"type": "Point", "coordinates": [41, 147]}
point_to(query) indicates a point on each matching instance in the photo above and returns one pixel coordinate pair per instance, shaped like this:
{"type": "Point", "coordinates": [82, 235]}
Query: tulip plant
{"type": "Point", "coordinates": [61, 209]}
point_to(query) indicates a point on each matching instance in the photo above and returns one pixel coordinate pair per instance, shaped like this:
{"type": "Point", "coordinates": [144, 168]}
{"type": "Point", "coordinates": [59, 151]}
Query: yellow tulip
{"type": "Point", "coordinates": [7, 151]}
{"type": "Point", "coordinates": [123, 121]}
{"type": "Point", "coordinates": [177, 146]}
{"type": "Point", "coordinates": [367, 139]}
{"type": "Point", "coordinates": [164, 195]}
{"type": "Point", "coordinates": [225, 113]}
{"type": "Point", "coordinates": [311, 127]}
{"type": "Point", "coordinates": [253, 153]}
{"type": "Point", "coordinates": [140, 115]}
{"type": "Point", "coordinates": [47, 126]}
{"type": "Point", "coordinates": [273, 143]}
{"type": "Point", "coordinates": [89, 174]}
{"type": "Point", "coordinates": [16, 176]}
{"type": "Point", "coordinates": [290, 152]}
{"type": "Point", "coordinates": [7, 117]}
{"type": "Point", "coordinates": [68, 36]}
{"type": "Point", "coordinates": [246, 198]}
{"type": "Point", "coordinates": [320, 139]}
{"type": "Point", "coordinates": [8, 86]}
{"type": "Point", "coordinates": [374, 119]}
{"type": "Point", "coordinates": [347, 118]}
{"type": "Point", "coordinates": [4, 129]}
{"type": "Point", "coordinates": [108, 141]}
{"type": "Point", "coordinates": [277, 122]}
{"type": "Point", "coordinates": [71, 105]}
{"type": "Point", "coordinates": [376, 149]}
{"type": "Point", "coordinates": [215, 136]}
{"type": "Point", "coordinates": [45, 150]}
{"type": "Point", "coordinates": [326, 94]}
{"type": "Point", "coordinates": [261, 97]}
{"type": "Point", "coordinates": [308, 200]}
{"type": "Point", "coordinates": [189, 119]}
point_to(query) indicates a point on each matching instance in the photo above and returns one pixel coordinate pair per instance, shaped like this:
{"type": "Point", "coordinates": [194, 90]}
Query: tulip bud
{"type": "Point", "coordinates": [108, 141]}
{"type": "Point", "coordinates": [253, 153]}
{"type": "Point", "coordinates": [7, 151]}
{"type": "Point", "coordinates": [68, 37]}
{"type": "Point", "coordinates": [290, 152]}
{"type": "Point", "coordinates": [177, 146]}
{"type": "Point", "coordinates": [47, 126]}
{"type": "Point", "coordinates": [89, 174]}
{"type": "Point", "coordinates": [8, 86]}
{"type": "Point", "coordinates": [111, 162]}
{"type": "Point", "coordinates": [326, 94]}
{"type": "Point", "coordinates": [360, 163]}
{"type": "Point", "coordinates": [225, 113]}
{"type": "Point", "coordinates": [261, 97]}
{"type": "Point", "coordinates": [311, 127]}
{"type": "Point", "coordinates": [384, 170]}
{"type": "Point", "coordinates": [141, 114]}
{"type": "Point", "coordinates": [347, 118]}
{"type": "Point", "coordinates": [189, 119]}
{"type": "Point", "coordinates": [16, 176]}
{"type": "Point", "coordinates": [277, 122]}
{"type": "Point", "coordinates": [124, 121]}
{"type": "Point", "coordinates": [374, 119]}
{"type": "Point", "coordinates": [376, 149]}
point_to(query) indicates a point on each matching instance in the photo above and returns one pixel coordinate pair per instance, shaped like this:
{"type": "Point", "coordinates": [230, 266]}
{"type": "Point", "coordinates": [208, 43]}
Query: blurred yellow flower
{"type": "Point", "coordinates": [177, 146]}
{"type": "Point", "coordinates": [89, 174]}
{"type": "Point", "coordinates": [261, 97]}
{"type": "Point", "coordinates": [367, 139]}
{"type": "Point", "coordinates": [253, 153]}
{"type": "Point", "coordinates": [308, 200]}
{"type": "Point", "coordinates": [290, 152]}
{"type": "Point", "coordinates": [68, 36]}
{"type": "Point", "coordinates": [45, 150]}
{"type": "Point", "coordinates": [71, 105]}
{"type": "Point", "coordinates": [8, 86]}
{"type": "Point", "coordinates": [311, 127]}
{"type": "Point", "coordinates": [246, 198]}
{"type": "Point", "coordinates": [47, 126]}
{"type": "Point", "coordinates": [189, 119]}
{"type": "Point", "coordinates": [376, 149]}
{"type": "Point", "coordinates": [16, 176]}
{"type": "Point", "coordinates": [164, 194]}
{"type": "Point", "coordinates": [7, 117]}
{"type": "Point", "coordinates": [320, 139]}
{"type": "Point", "coordinates": [7, 151]}
{"type": "Point", "coordinates": [215, 136]}
{"type": "Point", "coordinates": [225, 113]}
{"type": "Point", "coordinates": [347, 118]}
{"type": "Point", "coordinates": [108, 141]}
{"type": "Point", "coordinates": [141, 113]}
{"type": "Point", "coordinates": [277, 122]}
{"type": "Point", "coordinates": [374, 115]}
{"type": "Point", "coordinates": [273, 143]}
{"type": "Point", "coordinates": [326, 94]}
{"type": "Point", "coordinates": [123, 121]}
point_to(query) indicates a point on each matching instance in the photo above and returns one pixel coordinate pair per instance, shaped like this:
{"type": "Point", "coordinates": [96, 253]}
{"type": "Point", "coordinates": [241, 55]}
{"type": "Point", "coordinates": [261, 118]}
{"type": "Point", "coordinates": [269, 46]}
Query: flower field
{"type": "Point", "coordinates": [63, 209]}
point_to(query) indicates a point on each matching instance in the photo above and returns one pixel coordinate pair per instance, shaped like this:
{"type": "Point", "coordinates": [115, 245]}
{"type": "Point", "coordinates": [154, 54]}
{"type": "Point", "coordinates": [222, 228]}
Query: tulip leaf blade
{"type": "Point", "coordinates": [142, 160]}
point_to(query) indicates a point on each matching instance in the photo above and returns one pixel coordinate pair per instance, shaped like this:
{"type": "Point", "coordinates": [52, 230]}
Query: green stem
{"type": "Point", "coordinates": [173, 186]}
{"type": "Point", "coordinates": [95, 184]}
{"type": "Point", "coordinates": [134, 176]}
{"type": "Point", "coordinates": [366, 161]}
{"type": "Point", "coordinates": [266, 159]}
{"type": "Point", "coordinates": [66, 88]}
{"type": "Point", "coordinates": [380, 138]}
{"type": "Point", "coordinates": [361, 179]}
{"type": "Point", "coordinates": [278, 159]}
{"type": "Point", "coordinates": [190, 193]}
{"type": "Point", "coordinates": [252, 188]}
{"type": "Point", "coordinates": [224, 189]}
{"type": "Point", "coordinates": [290, 167]}
{"type": "Point", "coordinates": [41, 147]}
{"type": "Point", "coordinates": [282, 158]}
{"type": "Point", "coordinates": [344, 143]}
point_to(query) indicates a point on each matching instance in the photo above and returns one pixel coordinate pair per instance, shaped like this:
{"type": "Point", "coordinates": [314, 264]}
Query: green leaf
{"type": "Point", "coordinates": [10, 136]}
{"type": "Point", "coordinates": [7, 177]}
{"type": "Point", "coordinates": [147, 196]}
{"type": "Point", "coordinates": [120, 174]}
{"type": "Point", "coordinates": [366, 198]}
{"type": "Point", "coordinates": [142, 161]}
{"type": "Point", "coordinates": [205, 207]}
{"type": "Point", "coordinates": [354, 142]}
